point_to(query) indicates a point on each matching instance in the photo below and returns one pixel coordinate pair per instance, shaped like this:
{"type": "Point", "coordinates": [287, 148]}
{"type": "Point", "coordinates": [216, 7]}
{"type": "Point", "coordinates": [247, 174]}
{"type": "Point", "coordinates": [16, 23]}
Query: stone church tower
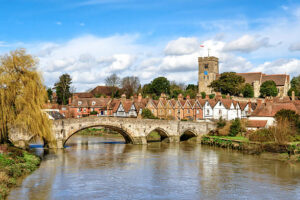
{"type": "Point", "coordinates": [208, 71]}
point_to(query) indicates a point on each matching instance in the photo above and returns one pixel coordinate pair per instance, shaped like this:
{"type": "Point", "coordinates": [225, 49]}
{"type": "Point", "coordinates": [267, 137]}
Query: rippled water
{"type": "Point", "coordinates": [105, 168]}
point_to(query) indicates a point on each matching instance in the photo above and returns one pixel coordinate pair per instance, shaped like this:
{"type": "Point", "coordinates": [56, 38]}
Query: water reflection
{"type": "Point", "coordinates": [106, 168]}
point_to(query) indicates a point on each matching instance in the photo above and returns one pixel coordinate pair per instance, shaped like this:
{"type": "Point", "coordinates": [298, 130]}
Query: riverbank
{"type": "Point", "coordinates": [14, 164]}
{"type": "Point", "coordinates": [267, 150]}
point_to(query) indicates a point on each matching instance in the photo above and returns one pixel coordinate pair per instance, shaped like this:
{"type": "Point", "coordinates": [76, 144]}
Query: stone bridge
{"type": "Point", "coordinates": [133, 130]}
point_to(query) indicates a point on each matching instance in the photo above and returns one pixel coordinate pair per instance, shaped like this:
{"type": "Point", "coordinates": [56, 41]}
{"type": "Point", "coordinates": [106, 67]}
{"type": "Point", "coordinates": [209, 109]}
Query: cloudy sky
{"type": "Point", "coordinates": [91, 39]}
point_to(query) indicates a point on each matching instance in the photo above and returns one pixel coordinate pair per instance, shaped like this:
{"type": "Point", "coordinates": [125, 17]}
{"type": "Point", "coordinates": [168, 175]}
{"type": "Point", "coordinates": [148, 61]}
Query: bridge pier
{"type": "Point", "coordinates": [23, 144]}
{"type": "Point", "coordinates": [172, 139]}
{"type": "Point", "coordinates": [139, 140]}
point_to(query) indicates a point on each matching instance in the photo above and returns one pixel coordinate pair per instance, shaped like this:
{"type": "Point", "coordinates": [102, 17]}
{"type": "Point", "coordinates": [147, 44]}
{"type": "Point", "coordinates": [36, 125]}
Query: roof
{"type": "Point", "coordinates": [226, 103]}
{"type": "Point", "coordinates": [91, 102]}
{"type": "Point", "coordinates": [103, 90]}
{"type": "Point", "coordinates": [270, 109]}
{"type": "Point", "coordinates": [55, 115]}
{"type": "Point", "coordinates": [83, 95]}
{"type": "Point", "coordinates": [257, 123]}
{"type": "Point", "coordinates": [279, 79]}
{"type": "Point", "coordinates": [251, 76]}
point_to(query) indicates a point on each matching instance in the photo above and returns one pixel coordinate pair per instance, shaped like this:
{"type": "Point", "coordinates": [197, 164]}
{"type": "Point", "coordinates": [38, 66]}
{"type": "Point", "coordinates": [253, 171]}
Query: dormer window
{"type": "Point", "coordinates": [79, 103]}
{"type": "Point", "coordinates": [93, 103]}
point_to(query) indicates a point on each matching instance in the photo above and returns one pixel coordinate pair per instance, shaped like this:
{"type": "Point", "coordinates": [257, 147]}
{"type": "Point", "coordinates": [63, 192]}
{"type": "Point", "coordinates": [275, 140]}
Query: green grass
{"type": "Point", "coordinates": [153, 136]}
{"type": "Point", "coordinates": [238, 138]}
{"type": "Point", "coordinates": [15, 163]}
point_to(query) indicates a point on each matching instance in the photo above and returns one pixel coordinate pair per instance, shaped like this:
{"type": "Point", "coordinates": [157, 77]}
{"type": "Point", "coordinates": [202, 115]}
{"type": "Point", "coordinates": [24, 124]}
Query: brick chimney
{"type": "Point", "coordinates": [293, 95]}
{"type": "Point", "coordinates": [228, 96]}
{"type": "Point", "coordinates": [180, 97]}
{"type": "Point", "coordinates": [140, 97]}
{"type": "Point", "coordinates": [70, 101]}
{"type": "Point", "coordinates": [258, 102]}
{"type": "Point", "coordinates": [123, 97]}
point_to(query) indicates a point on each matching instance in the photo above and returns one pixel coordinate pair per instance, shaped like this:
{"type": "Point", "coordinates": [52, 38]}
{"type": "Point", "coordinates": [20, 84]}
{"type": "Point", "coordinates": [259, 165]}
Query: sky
{"type": "Point", "coordinates": [91, 39]}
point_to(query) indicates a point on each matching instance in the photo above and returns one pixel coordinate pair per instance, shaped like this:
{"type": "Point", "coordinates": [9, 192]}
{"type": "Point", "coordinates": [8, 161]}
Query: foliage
{"type": "Point", "coordinates": [221, 123]}
{"type": "Point", "coordinates": [228, 83]}
{"type": "Point", "coordinates": [93, 112]}
{"type": "Point", "coordinates": [268, 88]}
{"type": "Point", "coordinates": [224, 131]}
{"type": "Point", "coordinates": [160, 85]}
{"type": "Point", "coordinates": [49, 93]}
{"type": "Point", "coordinates": [297, 92]}
{"type": "Point", "coordinates": [248, 91]}
{"type": "Point", "coordinates": [283, 131]}
{"type": "Point", "coordinates": [147, 114]}
{"type": "Point", "coordinates": [261, 135]}
{"type": "Point", "coordinates": [235, 127]}
{"type": "Point", "coordinates": [130, 85]}
{"type": "Point", "coordinates": [192, 87]}
{"type": "Point", "coordinates": [211, 96]}
{"type": "Point", "coordinates": [291, 116]}
{"type": "Point", "coordinates": [203, 95]}
{"type": "Point", "coordinates": [114, 81]}
{"type": "Point", "coordinates": [13, 165]}
{"type": "Point", "coordinates": [22, 96]}
{"type": "Point", "coordinates": [63, 89]}
{"type": "Point", "coordinates": [191, 93]}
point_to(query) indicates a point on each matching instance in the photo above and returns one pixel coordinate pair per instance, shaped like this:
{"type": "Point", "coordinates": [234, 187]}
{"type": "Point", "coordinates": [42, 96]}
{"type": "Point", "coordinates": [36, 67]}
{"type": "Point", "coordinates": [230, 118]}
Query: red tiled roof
{"type": "Point", "coordinates": [103, 90]}
{"type": "Point", "coordinates": [226, 103]}
{"type": "Point", "coordinates": [270, 109]}
{"type": "Point", "coordinates": [83, 95]}
{"type": "Point", "coordinates": [257, 123]}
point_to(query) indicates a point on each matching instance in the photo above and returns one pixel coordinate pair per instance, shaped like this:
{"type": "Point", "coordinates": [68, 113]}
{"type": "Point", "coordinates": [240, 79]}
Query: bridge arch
{"type": "Point", "coordinates": [163, 133]}
{"type": "Point", "coordinates": [188, 134]}
{"type": "Point", "coordinates": [127, 135]}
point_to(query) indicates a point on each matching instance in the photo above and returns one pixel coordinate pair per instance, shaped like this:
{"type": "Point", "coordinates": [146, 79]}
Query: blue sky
{"type": "Point", "coordinates": [91, 39]}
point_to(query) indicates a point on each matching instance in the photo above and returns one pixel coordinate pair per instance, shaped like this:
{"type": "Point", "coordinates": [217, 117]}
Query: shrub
{"type": "Point", "coordinates": [225, 130]}
{"type": "Point", "coordinates": [235, 127]}
{"type": "Point", "coordinates": [147, 114]}
{"type": "Point", "coordinates": [93, 112]}
{"type": "Point", "coordinates": [248, 90]}
{"type": "Point", "coordinates": [211, 96]}
{"type": "Point", "coordinates": [261, 135]}
{"type": "Point", "coordinates": [203, 95]}
{"type": "Point", "coordinates": [223, 96]}
{"type": "Point", "coordinates": [221, 123]}
{"type": "Point", "coordinates": [282, 132]}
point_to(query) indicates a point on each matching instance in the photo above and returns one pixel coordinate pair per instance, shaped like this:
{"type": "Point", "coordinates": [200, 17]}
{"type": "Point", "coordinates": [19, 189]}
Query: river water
{"type": "Point", "coordinates": [104, 168]}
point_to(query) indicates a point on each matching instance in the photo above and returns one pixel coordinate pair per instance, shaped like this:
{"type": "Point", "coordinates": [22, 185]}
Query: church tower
{"type": "Point", "coordinates": [208, 71]}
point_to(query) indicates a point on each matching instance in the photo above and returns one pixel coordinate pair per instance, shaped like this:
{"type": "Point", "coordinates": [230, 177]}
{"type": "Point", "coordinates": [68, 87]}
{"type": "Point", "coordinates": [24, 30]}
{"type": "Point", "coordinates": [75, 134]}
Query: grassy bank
{"type": "Point", "coordinates": [14, 163]}
{"type": "Point", "coordinates": [272, 150]}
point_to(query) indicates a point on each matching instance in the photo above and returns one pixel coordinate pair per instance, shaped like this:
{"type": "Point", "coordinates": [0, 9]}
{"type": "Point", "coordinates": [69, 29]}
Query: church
{"type": "Point", "coordinates": [209, 71]}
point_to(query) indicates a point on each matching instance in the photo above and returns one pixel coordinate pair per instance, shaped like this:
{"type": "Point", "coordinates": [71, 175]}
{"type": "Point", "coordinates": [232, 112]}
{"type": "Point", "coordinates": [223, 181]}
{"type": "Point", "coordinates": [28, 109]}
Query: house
{"type": "Point", "coordinates": [256, 124]}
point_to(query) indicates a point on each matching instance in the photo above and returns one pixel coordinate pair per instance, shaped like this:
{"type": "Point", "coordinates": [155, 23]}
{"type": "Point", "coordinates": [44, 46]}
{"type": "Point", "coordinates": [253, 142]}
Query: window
{"type": "Point", "coordinates": [79, 103]}
{"type": "Point", "coordinates": [188, 111]}
{"type": "Point", "coordinates": [93, 103]}
{"type": "Point", "coordinates": [105, 112]}
{"type": "Point", "coordinates": [84, 110]}
{"type": "Point", "coordinates": [206, 66]}
{"type": "Point", "coordinates": [207, 111]}
{"type": "Point", "coordinates": [203, 77]}
{"type": "Point", "coordinates": [197, 111]}
{"type": "Point", "coordinates": [63, 108]}
{"type": "Point", "coordinates": [170, 112]}
{"type": "Point", "coordinates": [220, 103]}
{"type": "Point", "coordinates": [153, 111]}
{"type": "Point", "coordinates": [78, 109]}
{"type": "Point", "coordinates": [220, 112]}
{"type": "Point", "coordinates": [92, 109]}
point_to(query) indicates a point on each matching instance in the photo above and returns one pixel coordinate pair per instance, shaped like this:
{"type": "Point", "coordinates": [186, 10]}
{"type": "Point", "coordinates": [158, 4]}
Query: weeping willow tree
{"type": "Point", "coordinates": [22, 95]}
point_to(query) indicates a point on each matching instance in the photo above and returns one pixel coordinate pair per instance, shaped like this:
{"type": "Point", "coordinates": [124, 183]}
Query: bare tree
{"type": "Point", "coordinates": [113, 80]}
{"type": "Point", "coordinates": [130, 85]}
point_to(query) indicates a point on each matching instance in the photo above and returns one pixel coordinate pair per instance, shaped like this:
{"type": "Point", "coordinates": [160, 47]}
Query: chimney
{"type": "Point", "coordinates": [188, 97]}
{"type": "Point", "coordinates": [140, 97]}
{"type": "Point", "coordinates": [70, 100]}
{"type": "Point", "coordinates": [123, 97]}
{"type": "Point", "coordinates": [228, 96]}
{"type": "Point", "coordinates": [293, 95]}
{"type": "Point", "coordinates": [180, 97]}
{"type": "Point", "coordinates": [258, 102]}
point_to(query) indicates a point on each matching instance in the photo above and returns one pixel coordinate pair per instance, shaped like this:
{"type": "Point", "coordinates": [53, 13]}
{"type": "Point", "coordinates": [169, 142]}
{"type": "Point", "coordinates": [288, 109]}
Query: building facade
{"type": "Point", "coordinates": [208, 71]}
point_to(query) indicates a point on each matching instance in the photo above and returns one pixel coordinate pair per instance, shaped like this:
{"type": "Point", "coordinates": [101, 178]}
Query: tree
{"type": "Point", "coordinates": [192, 87]}
{"type": "Point", "coordinates": [175, 89]}
{"type": "Point", "coordinates": [160, 85]}
{"type": "Point", "coordinates": [295, 86]}
{"type": "Point", "coordinates": [62, 88]}
{"type": "Point", "coordinates": [290, 116]}
{"type": "Point", "coordinates": [228, 83]}
{"type": "Point", "coordinates": [147, 114]}
{"type": "Point", "coordinates": [130, 85]}
{"type": "Point", "coordinates": [248, 91]}
{"type": "Point", "coordinates": [203, 95]}
{"type": "Point", "coordinates": [49, 93]}
{"type": "Point", "coordinates": [147, 89]}
{"type": "Point", "coordinates": [22, 96]}
{"type": "Point", "coordinates": [114, 81]}
{"type": "Point", "coordinates": [235, 127]}
{"type": "Point", "coordinates": [268, 88]}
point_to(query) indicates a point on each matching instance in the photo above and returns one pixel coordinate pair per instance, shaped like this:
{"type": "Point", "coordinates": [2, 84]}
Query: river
{"type": "Point", "coordinates": [94, 167]}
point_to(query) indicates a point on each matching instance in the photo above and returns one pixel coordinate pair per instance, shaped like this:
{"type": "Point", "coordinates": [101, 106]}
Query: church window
{"type": "Point", "coordinates": [206, 66]}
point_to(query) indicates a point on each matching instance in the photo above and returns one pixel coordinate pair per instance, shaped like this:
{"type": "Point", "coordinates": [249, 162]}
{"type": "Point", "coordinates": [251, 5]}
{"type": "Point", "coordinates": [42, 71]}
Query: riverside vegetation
{"type": "Point", "coordinates": [283, 139]}
{"type": "Point", "coordinates": [14, 163]}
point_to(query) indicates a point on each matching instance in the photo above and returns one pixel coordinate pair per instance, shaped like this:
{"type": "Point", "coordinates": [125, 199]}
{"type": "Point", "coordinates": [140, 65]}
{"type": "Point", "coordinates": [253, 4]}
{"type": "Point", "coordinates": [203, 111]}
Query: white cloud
{"type": "Point", "coordinates": [182, 46]}
{"type": "Point", "coordinates": [58, 23]}
{"type": "Point", "coordinates": [280, 66]}
{"type": "Point", "coordinates": [247, 44]}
